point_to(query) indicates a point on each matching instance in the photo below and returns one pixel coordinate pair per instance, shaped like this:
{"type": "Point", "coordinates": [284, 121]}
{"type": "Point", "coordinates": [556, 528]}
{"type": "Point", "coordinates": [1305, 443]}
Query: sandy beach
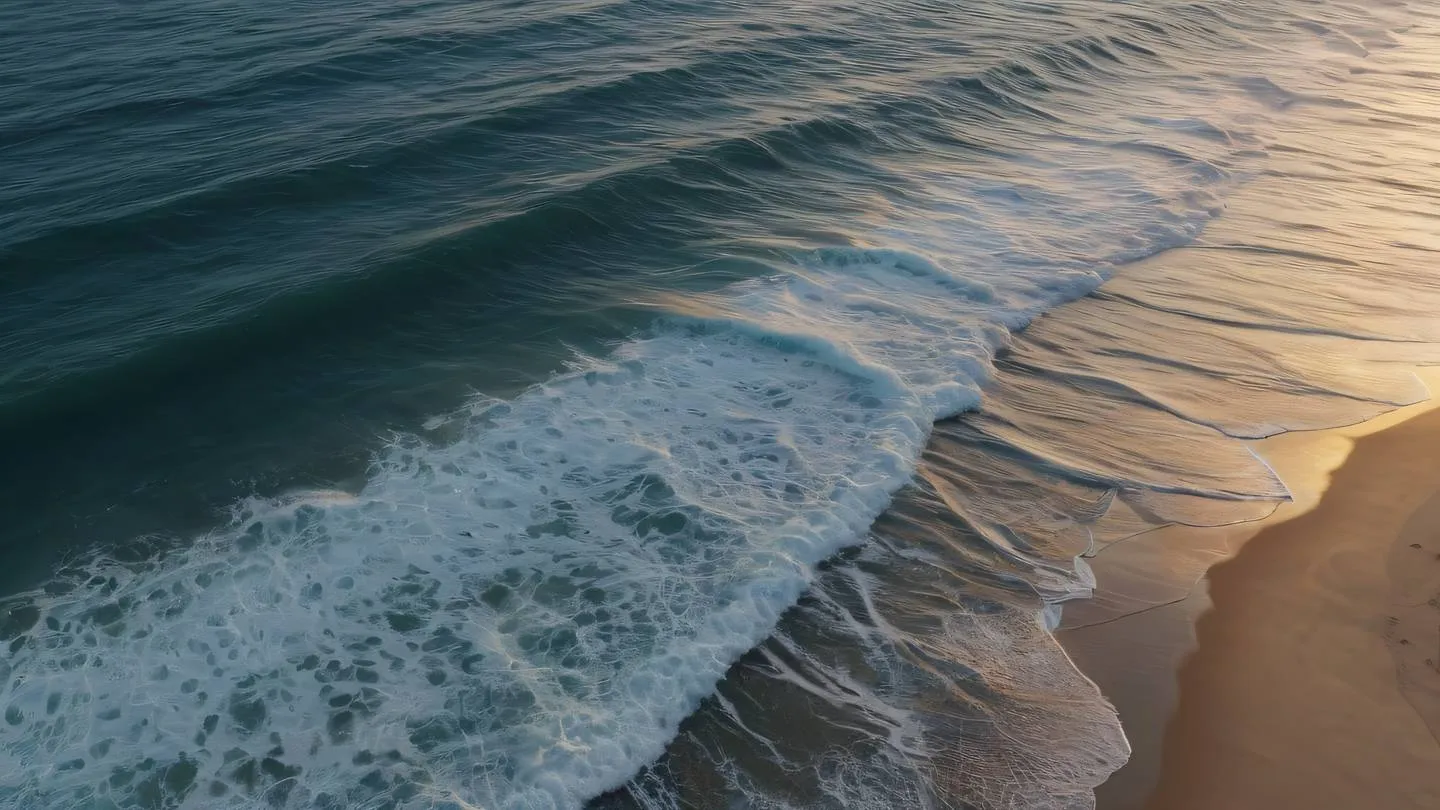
{"type": "Point", "coordinates": [1301, 672]}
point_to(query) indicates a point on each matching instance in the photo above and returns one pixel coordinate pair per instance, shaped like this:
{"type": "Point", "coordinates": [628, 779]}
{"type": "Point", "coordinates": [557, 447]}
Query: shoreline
{"type": "Point", "coordinates": [1272, 683]}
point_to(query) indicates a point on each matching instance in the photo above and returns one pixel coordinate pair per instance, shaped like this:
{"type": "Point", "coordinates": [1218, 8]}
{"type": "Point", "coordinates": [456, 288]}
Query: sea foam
{"type": "Point", "coordinates": [522, 615]}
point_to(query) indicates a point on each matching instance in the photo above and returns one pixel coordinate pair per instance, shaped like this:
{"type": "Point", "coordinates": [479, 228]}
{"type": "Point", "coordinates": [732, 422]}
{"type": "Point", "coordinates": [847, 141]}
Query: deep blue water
{"type": "Point", "coordinates": [420, 404]}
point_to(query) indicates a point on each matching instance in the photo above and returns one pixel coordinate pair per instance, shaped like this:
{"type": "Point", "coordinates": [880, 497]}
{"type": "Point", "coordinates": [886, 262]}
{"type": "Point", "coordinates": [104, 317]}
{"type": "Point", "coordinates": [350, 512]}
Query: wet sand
{"type": "Point", "coordinates": [1307, 661]}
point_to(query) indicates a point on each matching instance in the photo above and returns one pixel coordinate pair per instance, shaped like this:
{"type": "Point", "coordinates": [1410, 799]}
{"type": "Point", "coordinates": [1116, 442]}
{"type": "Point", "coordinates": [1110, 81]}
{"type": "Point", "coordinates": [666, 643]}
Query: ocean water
{"type": "Point", "coordinates": [633, 404]}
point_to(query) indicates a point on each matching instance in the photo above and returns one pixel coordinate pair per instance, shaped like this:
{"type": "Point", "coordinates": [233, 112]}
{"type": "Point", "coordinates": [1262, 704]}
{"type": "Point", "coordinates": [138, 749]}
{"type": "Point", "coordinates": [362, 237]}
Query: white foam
{"type": "Point", "coordinates": [521, 618]}
{"type": "Point", "coordinates": [518, 619]}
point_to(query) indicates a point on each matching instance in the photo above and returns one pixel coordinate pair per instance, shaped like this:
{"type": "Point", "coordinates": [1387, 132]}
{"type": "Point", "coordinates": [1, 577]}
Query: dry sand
{"type": "Point", "coordinates": [1307, 661]}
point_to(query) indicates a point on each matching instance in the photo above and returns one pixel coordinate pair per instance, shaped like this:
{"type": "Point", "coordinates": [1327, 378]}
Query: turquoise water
{"type": "Point", "coordinates": [433, 404]}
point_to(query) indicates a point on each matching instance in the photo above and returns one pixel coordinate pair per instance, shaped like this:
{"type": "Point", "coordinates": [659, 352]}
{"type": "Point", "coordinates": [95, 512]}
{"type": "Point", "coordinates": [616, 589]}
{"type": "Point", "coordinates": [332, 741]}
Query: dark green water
{"type": "Point", "coordinates": [424, 404]}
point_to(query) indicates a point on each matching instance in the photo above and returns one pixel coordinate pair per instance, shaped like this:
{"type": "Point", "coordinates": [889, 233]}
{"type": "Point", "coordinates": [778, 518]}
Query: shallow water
{"type": "Point", "coordinates": [533, 405]}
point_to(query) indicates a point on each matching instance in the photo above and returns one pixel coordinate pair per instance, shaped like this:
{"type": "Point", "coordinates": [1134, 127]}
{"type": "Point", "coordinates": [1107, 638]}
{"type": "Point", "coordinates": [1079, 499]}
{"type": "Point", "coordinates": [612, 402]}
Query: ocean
{"type": "Point", "coordinates": [658, 404]}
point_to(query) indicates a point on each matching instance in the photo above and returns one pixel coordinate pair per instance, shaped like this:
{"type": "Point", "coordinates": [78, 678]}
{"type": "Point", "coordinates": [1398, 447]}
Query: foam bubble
{"type": "Point", "coordinates": [522, 617]}
{"type": "Point", "coordinates": [517, 619]}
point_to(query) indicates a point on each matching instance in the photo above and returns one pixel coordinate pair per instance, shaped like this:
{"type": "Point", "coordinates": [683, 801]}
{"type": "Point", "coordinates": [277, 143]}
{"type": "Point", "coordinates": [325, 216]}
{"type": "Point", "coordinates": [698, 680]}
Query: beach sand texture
{"type": "Point", "coordinates": [1312, 681]}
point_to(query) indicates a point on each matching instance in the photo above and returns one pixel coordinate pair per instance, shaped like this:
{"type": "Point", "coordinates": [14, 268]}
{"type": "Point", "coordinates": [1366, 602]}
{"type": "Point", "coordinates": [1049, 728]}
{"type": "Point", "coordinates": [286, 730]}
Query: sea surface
{"type": "Point", "coordinates": [630, 403]}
